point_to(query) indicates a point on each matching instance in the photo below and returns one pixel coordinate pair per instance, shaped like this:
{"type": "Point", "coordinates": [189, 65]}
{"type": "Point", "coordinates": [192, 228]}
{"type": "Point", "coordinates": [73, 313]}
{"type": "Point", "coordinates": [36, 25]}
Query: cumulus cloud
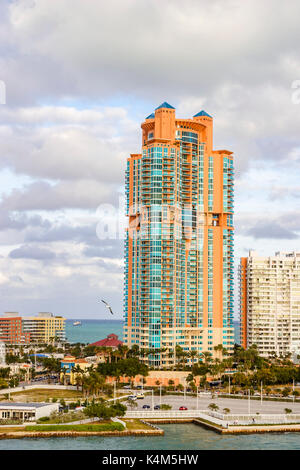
{"type": "Point", "coordinates": [77, 88]}
{"type": "Point", "coordinates": [95, 51]}
{"type": "Point", "coordinates": [65, 151]}
{"type": "Point", "coordinates": [82, 194]}
{"type": "Point", "coordinates": [32, 252]}
{"type": "Point", "coordinates": [271, 230]}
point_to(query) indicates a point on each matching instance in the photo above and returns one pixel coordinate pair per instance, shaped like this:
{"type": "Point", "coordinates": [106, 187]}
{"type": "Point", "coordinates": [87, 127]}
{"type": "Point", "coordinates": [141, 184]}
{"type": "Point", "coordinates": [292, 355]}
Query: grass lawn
{"type": "Point", "coordinates": [131, 425]}
{"type": "Point", "coordinates": [42, 395]}
{"type": "Point", "coordinates": [10, 429]}
{"type": "Point", "coordinates": [135, 425]}
{"type": "Point", "coordinates": [109, 426]}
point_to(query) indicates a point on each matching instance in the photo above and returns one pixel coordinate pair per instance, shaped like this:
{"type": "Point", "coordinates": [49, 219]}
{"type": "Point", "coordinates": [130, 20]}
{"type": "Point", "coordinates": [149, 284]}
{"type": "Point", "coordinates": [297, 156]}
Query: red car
{"type": "Point", "coordinates": [183, 408]}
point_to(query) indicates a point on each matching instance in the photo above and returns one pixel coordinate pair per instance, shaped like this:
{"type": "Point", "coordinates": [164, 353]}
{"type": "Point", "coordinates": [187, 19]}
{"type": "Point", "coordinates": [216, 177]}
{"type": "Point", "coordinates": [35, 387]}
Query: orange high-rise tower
{"type": "Point", "coordinates": [179, 243]}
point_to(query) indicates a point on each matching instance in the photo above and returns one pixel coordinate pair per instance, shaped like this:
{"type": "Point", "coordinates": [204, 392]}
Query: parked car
{"type": "Point", "coordinates": [127, 387]}
{"type": "Point", "coordinates": [139, 387]}
{"type": "Point", "coordinates": [146, 407]}
{"type": "Point", "coordinates": [140, 396]}
{"type": "Point", "coordinates": [132, 397]}
{"type": "Point", "coordinates": [183, 408]}
{"type": "Point", "coordinates": [157, 407]}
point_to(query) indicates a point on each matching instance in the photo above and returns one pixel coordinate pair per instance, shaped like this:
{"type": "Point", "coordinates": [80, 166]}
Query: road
{"type": "Point", "coordinates": [239, 406]}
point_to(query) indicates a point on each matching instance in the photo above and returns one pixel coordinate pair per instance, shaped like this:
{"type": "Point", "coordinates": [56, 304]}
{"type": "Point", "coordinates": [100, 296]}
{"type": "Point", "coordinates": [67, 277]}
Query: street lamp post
{"type": "Point", "coordinates": [229, 386]}
{"type": "Point", "coordinates": [197, 398]}
{"type": "Point", "coordinates": [152, 400]}
{"type": "Point", "coordinates": [160, 394]}
{"type": "Point", "coordinates": [249, 402]}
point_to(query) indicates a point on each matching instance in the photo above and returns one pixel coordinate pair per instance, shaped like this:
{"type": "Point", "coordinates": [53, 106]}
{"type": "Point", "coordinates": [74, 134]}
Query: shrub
{"type": "Point", "coordinates": [213, 407]}
{"type": "Point", "coordinates": [43, 419]}
{"type": "Point", "coordinates": [166, 407]}
{"type": "Point", "coordinates": [78, 427]}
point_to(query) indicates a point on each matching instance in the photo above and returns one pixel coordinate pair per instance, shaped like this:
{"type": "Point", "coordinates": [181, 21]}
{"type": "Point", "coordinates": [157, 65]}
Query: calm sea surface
{"type": "Point", "coordinates": [177, 437]}
{"type": "Point", "coordinates": [93, 330]}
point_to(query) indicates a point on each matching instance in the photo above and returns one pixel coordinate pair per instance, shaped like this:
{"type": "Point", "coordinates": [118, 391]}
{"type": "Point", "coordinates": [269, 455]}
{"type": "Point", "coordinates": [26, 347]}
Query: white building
{"type": "Point", "coordinates": [2, 353]}
{"type": "Point", "coordinates": [26, 411]}
{"type": "Point", "coordinates": [270, 303]}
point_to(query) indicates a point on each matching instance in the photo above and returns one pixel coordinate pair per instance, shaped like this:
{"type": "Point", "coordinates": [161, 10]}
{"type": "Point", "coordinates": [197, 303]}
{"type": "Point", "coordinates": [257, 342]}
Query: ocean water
{"type": "Point", "coordinates": [177, 436]}
{"type": "Point", "coordinates": [93, 330]}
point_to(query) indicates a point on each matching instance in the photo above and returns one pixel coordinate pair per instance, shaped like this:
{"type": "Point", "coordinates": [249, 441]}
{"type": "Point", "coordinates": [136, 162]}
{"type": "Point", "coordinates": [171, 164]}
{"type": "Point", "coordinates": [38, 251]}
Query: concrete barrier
{"type": "Point", "coordinates": [36, 386]}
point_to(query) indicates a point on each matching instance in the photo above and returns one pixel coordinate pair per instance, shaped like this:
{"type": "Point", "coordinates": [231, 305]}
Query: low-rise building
{"type": "Point", "coordinates": [106, 345]}
{"type": "Point", "coordinates": [111, 341]}
{"type": "Point", "coordinates": [26, 411]}
{"type": "Point", "coordinates": [69, 365]}
{"type": "Point", "coordinates": [11, 329]}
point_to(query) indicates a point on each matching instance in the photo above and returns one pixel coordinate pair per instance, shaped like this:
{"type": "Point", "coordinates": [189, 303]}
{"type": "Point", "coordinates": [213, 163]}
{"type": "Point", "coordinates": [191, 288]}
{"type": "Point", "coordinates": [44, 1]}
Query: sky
{"type": "Point", "coordinates": [79, 78]}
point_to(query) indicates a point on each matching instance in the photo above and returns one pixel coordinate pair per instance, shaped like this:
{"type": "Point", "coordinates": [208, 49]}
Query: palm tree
{"type": "Point", "coordinates": [193, 354]}
{"type": "Point", "coordinates": [78, 381]}
{"type": "Point", "coordinates": [77, 371]}
{"type": "Point", "coordinates": [134, 351]}
{"type": "Point", "coordinates": [124, 350]}
{"type": "Point", "coordinates": [132, 404]}
{"type": "Point", "coordinates": [64, 372]}
{"type": "Point", "coordinates": [180, 354]}
{"type": "Point", "coordinates": [207, 356]}
{"type": "Point", "coordinates": [171, 383]}
{"type": "Point", "coordinates": [220, 348]}
{"type": "Point", "coordinates": [213, 407]}
{"type": "Point", "coordinates": [190, 378]}
{"type": "Point", "coordinates": [87, 385]}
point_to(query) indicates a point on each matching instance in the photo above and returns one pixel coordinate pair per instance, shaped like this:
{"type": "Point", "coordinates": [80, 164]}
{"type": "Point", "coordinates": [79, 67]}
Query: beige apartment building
{"type": "Point", "coordinates": [270, 303]}
{"type": "Point", "coordinates": [44, 327]}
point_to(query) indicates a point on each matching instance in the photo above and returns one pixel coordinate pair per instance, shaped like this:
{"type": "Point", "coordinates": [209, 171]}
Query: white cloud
{"type": "Point", "coordinates": [80, 76]}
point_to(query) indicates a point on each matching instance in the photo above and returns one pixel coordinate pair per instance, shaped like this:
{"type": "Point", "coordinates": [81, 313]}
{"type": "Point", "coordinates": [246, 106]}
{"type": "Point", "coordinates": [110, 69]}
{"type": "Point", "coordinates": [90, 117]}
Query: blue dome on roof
{"type": "Point", "coordinates": [202, 113]}
{"type": "Point", "coordinates": [151, 116]}
{"type": "Point", "coordinates": [165, 105]}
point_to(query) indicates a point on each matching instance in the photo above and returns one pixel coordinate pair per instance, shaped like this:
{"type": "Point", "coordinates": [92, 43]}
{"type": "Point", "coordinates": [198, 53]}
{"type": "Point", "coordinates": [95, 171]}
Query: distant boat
{"type": "Point", "coordinates": [77, 323]}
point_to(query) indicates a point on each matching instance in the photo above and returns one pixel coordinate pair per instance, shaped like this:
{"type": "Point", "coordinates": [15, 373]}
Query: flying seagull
{"type": "Point", "coordinates": [107, 306]}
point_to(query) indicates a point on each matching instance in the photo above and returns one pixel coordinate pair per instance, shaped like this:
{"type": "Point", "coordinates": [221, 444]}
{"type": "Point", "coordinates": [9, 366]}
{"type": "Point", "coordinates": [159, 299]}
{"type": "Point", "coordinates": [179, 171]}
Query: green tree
{"type": "Point", "coordinates": [213, 407]}
{"type": "Point", "coordinates": [132, 404]}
